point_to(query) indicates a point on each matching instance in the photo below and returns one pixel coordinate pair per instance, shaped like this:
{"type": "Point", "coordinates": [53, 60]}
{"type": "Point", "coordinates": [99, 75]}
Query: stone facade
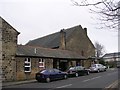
{"type": "Point", "coordinates": [80, 43]}
{"type": "Point", "coordinates": [73, 39]}
{"type": "Point", "coordinates": [8, 41]}
{"type": "Point", "coordinates": [20, 67]}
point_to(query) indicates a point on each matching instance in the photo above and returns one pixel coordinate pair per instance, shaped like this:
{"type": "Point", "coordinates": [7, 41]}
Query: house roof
{"type": "Point", "coordinates": [111, 55]}
{"type": "Point", "coordinates": [26, 50]}
{"type": "Point", "coordinates": [52, 40]}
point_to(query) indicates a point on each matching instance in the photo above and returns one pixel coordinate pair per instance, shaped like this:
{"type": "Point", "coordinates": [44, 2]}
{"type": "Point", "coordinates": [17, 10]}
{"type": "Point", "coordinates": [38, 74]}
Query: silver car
{"type": "Point", "coordinates": [97, 68]}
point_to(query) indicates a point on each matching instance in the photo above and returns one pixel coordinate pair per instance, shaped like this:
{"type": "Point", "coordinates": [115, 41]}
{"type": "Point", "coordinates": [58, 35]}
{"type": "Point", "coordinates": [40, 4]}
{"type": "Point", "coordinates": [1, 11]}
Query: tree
{"type": "Point", "coordinates": [100, 50]}
{"type": "Point", "coordinates": [108, 11]}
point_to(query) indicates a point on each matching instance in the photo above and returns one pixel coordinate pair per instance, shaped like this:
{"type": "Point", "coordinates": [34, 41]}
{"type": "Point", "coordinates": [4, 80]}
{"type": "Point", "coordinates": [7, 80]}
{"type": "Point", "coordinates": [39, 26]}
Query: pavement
{"type": "Point", "coordinates": [113, 85]}
{"type": "Point", "coordinates": [4, 84]}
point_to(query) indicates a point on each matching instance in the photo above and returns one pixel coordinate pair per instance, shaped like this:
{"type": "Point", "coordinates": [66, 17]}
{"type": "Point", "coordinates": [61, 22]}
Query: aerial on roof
{"type": "Point", "coordinates": [52, 40]}
{"type": "Point", "coordinates": [26, 50]}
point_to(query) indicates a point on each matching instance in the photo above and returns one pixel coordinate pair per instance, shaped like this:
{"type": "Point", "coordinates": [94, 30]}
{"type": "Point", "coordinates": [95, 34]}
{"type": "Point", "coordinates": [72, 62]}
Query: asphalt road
{"type": "Point", "coordinates": [94, 80]}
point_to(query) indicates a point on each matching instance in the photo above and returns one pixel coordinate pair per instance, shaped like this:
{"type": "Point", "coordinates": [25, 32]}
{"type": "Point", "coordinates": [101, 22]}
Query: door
{"type": "Point", "coordinates": [63, 65]}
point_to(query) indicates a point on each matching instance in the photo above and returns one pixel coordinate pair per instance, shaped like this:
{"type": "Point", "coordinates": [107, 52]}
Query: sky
{"type": "Point", "coordinates": [38, 18]}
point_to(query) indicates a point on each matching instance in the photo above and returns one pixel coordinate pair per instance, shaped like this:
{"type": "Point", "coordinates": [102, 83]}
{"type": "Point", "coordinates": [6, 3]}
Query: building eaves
{"type": "Point", "coordinates": [25, 50]}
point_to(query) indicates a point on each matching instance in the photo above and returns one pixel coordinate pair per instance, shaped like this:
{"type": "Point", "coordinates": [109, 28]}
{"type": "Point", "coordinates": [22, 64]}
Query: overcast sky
{"type": "Point", "coordinates": [37, 18]}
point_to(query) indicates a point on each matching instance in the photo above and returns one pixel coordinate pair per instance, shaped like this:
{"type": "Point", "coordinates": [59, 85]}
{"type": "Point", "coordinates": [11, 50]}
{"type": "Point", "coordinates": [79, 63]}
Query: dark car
{"type": "Point", "coordinates": [77, 71]}
{"type": "Point", "coordinates": [50, 75]}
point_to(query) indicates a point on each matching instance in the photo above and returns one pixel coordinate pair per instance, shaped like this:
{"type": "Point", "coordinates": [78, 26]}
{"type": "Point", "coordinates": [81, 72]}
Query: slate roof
{"type": "Point", "coordinates": [26, 50]}
{"type": "Point", "coordinates": [52, 40]}
{"type": "Point", "coordinates": [111, 55]}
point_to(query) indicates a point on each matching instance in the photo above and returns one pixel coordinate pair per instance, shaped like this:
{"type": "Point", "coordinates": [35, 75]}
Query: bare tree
{"type": "Point", "coordinates": [106, 9]}
{"type": "Point", "coordinates": [100, 49]}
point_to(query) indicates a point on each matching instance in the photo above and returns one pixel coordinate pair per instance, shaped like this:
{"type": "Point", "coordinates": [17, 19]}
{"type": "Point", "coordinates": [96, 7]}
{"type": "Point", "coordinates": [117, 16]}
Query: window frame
{"type": "Point", "coordinates": [41, 61]}
{"type": "Point", "coordinates": [27, 61]}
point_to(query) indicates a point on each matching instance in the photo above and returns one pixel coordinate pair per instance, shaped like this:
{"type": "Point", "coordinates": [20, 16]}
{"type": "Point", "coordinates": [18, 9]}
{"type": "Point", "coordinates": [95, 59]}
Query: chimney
{"type": "Point", "coordinates": [62, 39]}
{"type": "Point", "coordinates": [85, 29]}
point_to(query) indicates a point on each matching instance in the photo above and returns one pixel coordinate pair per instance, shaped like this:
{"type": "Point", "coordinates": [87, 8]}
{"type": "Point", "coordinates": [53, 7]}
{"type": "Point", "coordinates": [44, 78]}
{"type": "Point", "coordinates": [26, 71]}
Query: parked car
{"type": "Point", "coordinates": [97, 68]}
{"type": "Point", "coordinates": [50, 75]}
{"type": "Point", "coordinates": [77, 71]}
{"type": "Point", "coordinates": [118, 64]}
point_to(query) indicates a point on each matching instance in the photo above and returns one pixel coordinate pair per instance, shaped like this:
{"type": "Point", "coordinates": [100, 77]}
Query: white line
{"type": "Point", "coordinates": [86, 80]}
{"type": "Point", "coordinates": [91, 79]}
{"type": "Point", "coordinates": [96, 77]}
{"type": "Point", "coordinates": [64, 86]}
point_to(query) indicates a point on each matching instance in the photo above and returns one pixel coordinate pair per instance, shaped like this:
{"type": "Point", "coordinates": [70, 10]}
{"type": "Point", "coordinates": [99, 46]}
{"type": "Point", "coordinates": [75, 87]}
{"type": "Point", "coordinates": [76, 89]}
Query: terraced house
{"type": "Point", "coordinates": [69, 47]}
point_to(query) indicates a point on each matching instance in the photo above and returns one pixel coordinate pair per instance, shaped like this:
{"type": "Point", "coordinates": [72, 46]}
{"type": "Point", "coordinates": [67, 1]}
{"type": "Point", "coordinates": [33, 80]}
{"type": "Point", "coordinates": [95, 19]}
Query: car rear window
{"type": "Point", "coordinates": [43, 71]}
{"type": "Point", "coordinates": [72, 68]}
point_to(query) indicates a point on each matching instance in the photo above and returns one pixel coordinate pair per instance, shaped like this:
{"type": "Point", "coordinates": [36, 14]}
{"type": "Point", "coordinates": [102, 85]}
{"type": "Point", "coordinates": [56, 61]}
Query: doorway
{"type": "Point", "coordinates": [63, 65]}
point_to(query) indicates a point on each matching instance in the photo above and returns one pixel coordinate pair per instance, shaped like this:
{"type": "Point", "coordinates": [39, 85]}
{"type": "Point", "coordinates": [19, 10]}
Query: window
{"type": "Point", "coordinates": [41, 63]}
{"type": "Point", "coordinates": [27, 65]}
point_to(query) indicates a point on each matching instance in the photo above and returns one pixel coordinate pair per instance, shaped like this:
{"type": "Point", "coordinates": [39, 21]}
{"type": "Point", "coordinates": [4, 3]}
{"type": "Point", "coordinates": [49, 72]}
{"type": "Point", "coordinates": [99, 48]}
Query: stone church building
{"type": "Point", "coordinates": [69, 47]}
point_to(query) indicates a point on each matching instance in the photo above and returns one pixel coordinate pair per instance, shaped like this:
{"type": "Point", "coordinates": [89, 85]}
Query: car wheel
{"type": "Point", "coordinates": [38, 80]}
{"type": "Point", "coordinates": [88, 72]}
{"type": "Point", "coordinates": [76, 74]}
{"type": "Point", "coordinates": [65, 76]}
{"type": "Point", "coordinates": [48, 80]}
{"type": "Point", "coordinates": [98, 70]}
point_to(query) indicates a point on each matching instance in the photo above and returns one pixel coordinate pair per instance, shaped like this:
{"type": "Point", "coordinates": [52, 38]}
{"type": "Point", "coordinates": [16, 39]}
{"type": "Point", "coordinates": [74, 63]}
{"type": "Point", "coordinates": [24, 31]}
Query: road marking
{"type": "Point", "coordinates": [86, 80]}
{"type": "Point", "coordinates": [64, 86]}
{"type": "Point", "coordinates": [113, 85]}
{"type": "Point", "coordinates": [92, 78]}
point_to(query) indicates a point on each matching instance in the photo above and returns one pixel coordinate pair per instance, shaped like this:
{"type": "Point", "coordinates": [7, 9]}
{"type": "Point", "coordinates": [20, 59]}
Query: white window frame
{"type": "Point", "coordinates": [27, 66]}
{"type": "Point", "coordinates": [41, 61]}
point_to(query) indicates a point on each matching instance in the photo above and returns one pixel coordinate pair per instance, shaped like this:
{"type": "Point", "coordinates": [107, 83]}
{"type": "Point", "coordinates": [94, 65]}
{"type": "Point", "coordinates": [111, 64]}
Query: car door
{"type": "Point", "coordinates": [78, 70]}
{"type": "Point", "coordinates": [81, 70]}
{"type": "Point", "coordinates": [58, 74]}
{"type": "Point", "coordinates": [52, 74]}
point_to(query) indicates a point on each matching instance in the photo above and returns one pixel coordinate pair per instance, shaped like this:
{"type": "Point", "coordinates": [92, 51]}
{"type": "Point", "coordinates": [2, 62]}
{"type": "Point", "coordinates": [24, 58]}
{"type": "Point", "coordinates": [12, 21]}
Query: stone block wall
{"type": "Point", "coordinates": [80, 43]}
{"type": "Point", "coordinates": [0, 52]}
{"type": "Point", "coordinates": [22, 75]}
{"type": "Point", "coordinates": [8, 44]}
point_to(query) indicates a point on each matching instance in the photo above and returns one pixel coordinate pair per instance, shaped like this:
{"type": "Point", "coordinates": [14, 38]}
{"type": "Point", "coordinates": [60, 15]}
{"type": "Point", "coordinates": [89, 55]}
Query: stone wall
{"type": "Point", "coordinates": [0, 53]}
{"type": "Point", "coordinates": [80, 43]}
{"type": "Point", "coordinates": [22, 75]}
{"type": "Point", "coordinates": [9, 44]}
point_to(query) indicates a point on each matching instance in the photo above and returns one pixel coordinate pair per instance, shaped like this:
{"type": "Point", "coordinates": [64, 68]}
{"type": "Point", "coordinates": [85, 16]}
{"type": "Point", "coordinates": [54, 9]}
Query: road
{"type": "Point", "coordinates": [94, 80]}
